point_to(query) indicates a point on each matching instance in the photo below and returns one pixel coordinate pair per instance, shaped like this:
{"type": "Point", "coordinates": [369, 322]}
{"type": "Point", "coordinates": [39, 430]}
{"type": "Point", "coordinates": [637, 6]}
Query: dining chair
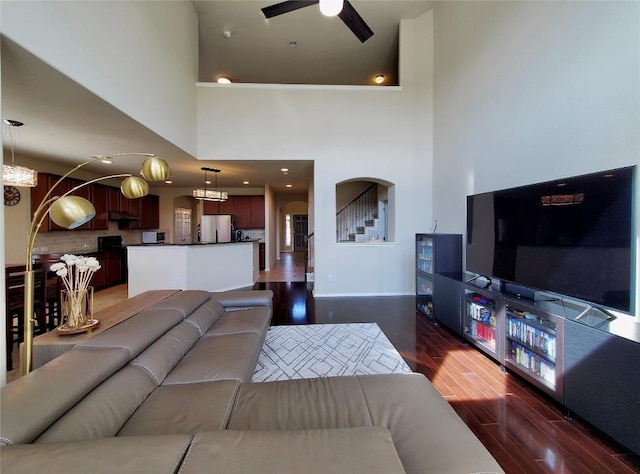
{"type": "Point", "coordinates": [14, 292]}
{"type": "Point", "coordinates": [53, 286]}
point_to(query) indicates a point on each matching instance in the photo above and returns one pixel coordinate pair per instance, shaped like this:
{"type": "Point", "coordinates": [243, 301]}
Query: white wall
{"type": "Point", "coordinates": [532, 91]}
{"type": "Point", "coordinates": [141, 57]}
{"type": "Point", "coordinates": [349, 132]}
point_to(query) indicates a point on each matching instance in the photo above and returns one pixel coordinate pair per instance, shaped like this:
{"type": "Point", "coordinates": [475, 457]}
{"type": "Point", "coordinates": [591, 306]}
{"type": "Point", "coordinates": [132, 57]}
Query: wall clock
{"type": "Point", "coordinates": [11, 196]}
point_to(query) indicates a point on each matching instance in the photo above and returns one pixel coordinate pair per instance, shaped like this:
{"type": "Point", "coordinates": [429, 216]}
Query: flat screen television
{"type": "Point", "coordinates": [569, 236]}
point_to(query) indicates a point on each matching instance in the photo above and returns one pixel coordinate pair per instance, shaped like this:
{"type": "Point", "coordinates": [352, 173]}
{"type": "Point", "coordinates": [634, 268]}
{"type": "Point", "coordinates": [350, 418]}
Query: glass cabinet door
{"type": "Point", "coordinates": [532, 345]}
{"type": "Point", "coordinates": [424, 294]}
{"type": "Point", "coordinates": [424, 254]}
{"type": "Point", "coordinates": [481, 321]}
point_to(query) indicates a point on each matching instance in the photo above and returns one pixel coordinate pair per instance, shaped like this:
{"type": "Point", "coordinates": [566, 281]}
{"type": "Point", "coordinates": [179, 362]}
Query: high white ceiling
{"type": "Point", "coordinates": [66, 123]}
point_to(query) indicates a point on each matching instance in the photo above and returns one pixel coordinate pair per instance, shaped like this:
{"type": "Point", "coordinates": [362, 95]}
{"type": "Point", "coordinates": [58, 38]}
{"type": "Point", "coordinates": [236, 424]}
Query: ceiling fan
{"type": "Point", "coordinates": [348, 15]}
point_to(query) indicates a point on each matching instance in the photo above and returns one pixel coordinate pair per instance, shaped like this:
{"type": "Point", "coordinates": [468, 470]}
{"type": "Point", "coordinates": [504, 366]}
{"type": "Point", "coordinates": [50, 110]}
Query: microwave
{"type": "Point", "coordinates": [153, 237]}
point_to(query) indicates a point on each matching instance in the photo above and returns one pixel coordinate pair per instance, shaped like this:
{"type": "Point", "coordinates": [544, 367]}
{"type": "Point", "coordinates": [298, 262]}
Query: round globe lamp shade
{"type": "Point", "coordinates": [155, 169]}
{"type": "Point", "coordinates": [71, 211]}
{"type": "Point", "coordinates": [134, 187]}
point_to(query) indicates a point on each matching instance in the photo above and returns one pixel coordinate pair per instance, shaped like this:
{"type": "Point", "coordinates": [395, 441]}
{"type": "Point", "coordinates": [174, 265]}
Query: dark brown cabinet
{"type": "Point", "coordinates": [100, 200]}
{"type": "Point", "coordinates": [150, 210]}
{"type": "Point", "coordinates": [261, 256]}
{"type": "Point", "coordinates": [110, 272]}
{"type": "Point", "coordinates": [257, 212]}
{"type": "Point", "coordinates": [242, 212]}
{"type": "Point", "coordinates": [216, 208]}
{"type": "Point", "coordinates": [247, 211]}
{"type": "Point", "coordinates": [104, 199]}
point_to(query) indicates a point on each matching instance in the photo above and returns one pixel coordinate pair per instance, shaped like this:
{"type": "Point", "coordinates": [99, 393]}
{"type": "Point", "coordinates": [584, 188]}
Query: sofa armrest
{"type": "Point", "coordinates": [243, 299]}
{"type": "Point", "coordinates": [354, 450]}
{"type": "Point", "coordinates": [126, 454]}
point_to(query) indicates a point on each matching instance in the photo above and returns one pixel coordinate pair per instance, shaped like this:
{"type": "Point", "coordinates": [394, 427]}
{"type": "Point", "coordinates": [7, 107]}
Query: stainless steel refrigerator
{"type": "Point", "coordinates": [215, 229]}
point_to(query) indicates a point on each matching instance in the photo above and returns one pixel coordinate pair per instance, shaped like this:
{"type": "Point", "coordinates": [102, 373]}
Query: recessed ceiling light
{"type": "Point", "coordinates": [226, 34]}
{"type": "Point", "coordinates": [293, 44]}
{"type": "Point", "coordinates": [561, 184]}
{"type": "Point", "coordinates": [107, 161]}
{"type": "Point", "coordinates": [289, 185]}
{"type": "Point", "coordinates": [224, 80]}
{"type": "Point", "coordinates": [245, 182]}
{"type": "Point", "coordinates": [168, 181]}
{"type": "Point", "coordinates": [207, 182]}
{"type": "Point", "coordinates": [379, 79]}
{"type": "Point", "coordinates": [284, 170]}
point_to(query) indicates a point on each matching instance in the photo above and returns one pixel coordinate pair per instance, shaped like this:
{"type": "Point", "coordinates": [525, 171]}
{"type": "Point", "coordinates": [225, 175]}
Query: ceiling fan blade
{"type": "Point", "coordinates": [286, 7]}
{"type": "Point", "coordinates": [355, 22]}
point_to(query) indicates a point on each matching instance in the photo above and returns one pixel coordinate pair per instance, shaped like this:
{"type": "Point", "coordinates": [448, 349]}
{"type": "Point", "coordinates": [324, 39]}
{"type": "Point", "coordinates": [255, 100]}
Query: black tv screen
{"type": "Point", "coordinates": [570, 236]}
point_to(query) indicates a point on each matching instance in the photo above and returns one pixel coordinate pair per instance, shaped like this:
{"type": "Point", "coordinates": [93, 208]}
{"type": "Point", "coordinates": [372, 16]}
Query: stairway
{"type": "Point", "coordinates": [369, 232]}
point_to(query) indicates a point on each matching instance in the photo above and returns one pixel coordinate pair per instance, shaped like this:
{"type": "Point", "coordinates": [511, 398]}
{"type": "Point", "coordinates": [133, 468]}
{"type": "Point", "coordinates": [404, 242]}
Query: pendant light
{"type": "Point", "coordinates": [210, 194]}
{"type": "Point", "coordinates": [14, 175]}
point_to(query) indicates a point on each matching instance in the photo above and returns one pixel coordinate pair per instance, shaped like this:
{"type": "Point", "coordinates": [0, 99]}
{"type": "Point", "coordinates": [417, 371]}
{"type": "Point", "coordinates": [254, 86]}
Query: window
{"type": "Point", "coordinates": [287, 231]}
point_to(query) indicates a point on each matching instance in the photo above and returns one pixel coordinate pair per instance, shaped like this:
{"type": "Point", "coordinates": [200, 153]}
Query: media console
{"type": "Point", "coordinates": [572, 351]}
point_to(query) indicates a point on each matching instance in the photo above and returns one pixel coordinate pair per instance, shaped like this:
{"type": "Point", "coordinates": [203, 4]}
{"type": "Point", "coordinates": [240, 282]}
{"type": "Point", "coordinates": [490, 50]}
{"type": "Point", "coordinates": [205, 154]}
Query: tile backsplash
{"type": "Point", "coordinates": [81, 241]}
{"type": "Point", "coordinates": [254, 234]}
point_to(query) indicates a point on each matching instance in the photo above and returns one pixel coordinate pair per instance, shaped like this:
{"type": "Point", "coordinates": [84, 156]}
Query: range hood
{"type": "Point", "coordinates": [122, 216]}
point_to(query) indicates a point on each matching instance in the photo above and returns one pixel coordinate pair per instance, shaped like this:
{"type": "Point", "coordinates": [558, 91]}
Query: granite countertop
{"type": "Point", "coordinates": [198, 244]}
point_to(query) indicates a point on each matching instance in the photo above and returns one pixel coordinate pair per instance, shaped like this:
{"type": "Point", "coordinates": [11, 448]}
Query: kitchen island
{"type": "Point", "coordinates": [205, 266]}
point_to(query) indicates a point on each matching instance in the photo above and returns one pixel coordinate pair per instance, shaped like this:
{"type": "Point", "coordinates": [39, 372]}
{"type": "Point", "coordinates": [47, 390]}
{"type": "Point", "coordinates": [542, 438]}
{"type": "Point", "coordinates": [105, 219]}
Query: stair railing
{"type": "Point", "coordinates": [355, 214]}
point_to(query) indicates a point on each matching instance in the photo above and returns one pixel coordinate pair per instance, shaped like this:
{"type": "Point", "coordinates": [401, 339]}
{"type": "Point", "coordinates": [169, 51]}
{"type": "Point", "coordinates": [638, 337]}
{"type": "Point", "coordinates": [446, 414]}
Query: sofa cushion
{"type": "Point", "coordinates": [138, 332]}
{"type": "Point", "coordinates": [186, 301]}
{"type": "Point", "coordinates": [243, 299]}
{"type": "Point", "coordinates": [349, 450]}
{"type": "Point", "coordinates": [206, 316]}
{"type": "Point", "coordinates": [245, 320]}
{"type": "Point", "coordinates": [157, 454]}
{"type": "Point", "coordinates": [102, 412]}
{"type": "Point", "coordinates": [300, 404]}
{"type": "Point", "coordinates": [33, 402]}
{"type": "Point", "coordinates": [163, 355]}
{"type": "Point", "coordinates": [184, 409]}
{"type": "Point", "coordinates": [228, 357]}
{"type": "Point", "coordinates": [408, 404]}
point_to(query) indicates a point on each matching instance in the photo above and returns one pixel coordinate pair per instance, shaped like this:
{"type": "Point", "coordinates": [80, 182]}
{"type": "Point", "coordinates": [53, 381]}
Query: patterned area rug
{"type": "Point", "coordinates": [325, 350]}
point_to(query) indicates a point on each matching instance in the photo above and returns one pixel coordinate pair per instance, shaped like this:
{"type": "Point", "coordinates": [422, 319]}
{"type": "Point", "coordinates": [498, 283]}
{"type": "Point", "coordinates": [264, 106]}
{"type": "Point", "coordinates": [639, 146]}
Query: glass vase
{"type": "Point", "coordinates": [77, 308]}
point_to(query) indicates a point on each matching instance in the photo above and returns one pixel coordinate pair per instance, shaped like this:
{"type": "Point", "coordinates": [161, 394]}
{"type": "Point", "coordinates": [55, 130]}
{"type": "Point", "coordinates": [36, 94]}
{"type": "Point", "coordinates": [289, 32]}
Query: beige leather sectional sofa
{"type": "Point", "coordinates": [169, 390]}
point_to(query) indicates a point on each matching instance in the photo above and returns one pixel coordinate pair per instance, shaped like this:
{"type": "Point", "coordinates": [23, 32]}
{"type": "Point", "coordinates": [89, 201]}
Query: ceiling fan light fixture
{"type": "Point", "coordinates": [331, 7]}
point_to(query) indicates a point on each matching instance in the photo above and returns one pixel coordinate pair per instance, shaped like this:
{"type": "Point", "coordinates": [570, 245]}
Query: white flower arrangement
{"type": "Point", "coordinates": [76, 273]}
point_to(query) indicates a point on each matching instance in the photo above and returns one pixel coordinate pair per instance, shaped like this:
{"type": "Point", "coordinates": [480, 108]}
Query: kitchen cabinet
{"type": "Point", "coordinates": [100, 200]}
{"type": "Point", "coordinates": [247, 211]}
{"type": "Point", "coordinates": [132, 206]}
{"type": "Point", "coordinates": [104, 199]}
{"type": "Point", "coordinates": [261, 256]}
{"type": "Point", "coordinates": [257, 212]}
{"type": "Point", "coordinates": [110, 272]}
{"type": "Point", "coordinates": [47, 182]}
{"type": "Point", "coordinates": [150, 211]}
{"type": "Point", "coordinates": [114, 198]}
{"type": "Point", "coordinates": [216, 208]}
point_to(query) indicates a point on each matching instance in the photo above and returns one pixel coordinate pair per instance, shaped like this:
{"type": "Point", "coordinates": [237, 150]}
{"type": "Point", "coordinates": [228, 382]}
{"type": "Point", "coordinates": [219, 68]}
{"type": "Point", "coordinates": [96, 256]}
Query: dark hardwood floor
{"type": "Point", "coordinates": [525, 430]}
